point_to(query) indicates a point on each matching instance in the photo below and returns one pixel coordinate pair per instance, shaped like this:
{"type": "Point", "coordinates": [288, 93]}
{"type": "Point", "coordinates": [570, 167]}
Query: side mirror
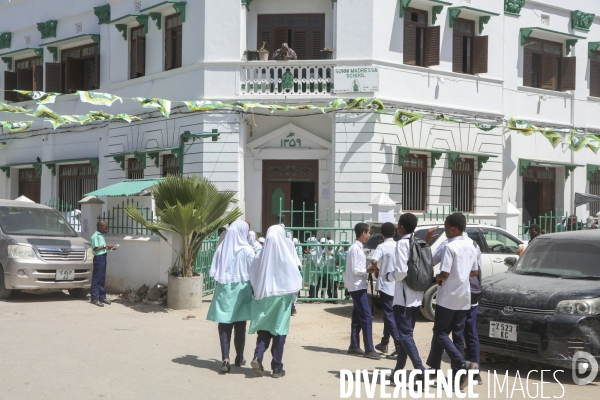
{"type": "Point", "coordinates": [510, 261]}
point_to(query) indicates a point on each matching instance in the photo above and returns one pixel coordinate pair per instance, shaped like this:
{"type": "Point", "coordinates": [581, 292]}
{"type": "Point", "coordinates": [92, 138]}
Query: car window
{"type": "Point", "coordinates": [475, 235]}
{"type": "Point", "coordinates": [566, 258]}
{"type": "Point", "coordinates": [34, 221]}
{"type": "Point", "coordinates": [420, 234]}
{"type": "Point", "coordinates": [500, 243]}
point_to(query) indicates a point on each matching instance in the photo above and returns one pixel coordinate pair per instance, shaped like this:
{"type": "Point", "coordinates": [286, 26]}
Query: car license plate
{"type": "Point", "coordinates": [65, 274]}
{"type": "Point", "coordinates": [500, 330]}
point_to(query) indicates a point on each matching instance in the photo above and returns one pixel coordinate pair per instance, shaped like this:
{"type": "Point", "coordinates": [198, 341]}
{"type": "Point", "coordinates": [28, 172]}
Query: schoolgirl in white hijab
{"type": "Point", "coordinates": [253, 242]}
{"type": "Point", "coordinates": [232, 299]}
{"type": "Point", "coordinates": [275, 279]}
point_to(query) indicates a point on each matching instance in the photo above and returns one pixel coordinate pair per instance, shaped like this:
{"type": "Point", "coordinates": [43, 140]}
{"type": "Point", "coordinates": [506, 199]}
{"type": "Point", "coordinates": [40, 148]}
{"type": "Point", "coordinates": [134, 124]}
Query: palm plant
{"type": "Point", "coordinates": [192, 207]}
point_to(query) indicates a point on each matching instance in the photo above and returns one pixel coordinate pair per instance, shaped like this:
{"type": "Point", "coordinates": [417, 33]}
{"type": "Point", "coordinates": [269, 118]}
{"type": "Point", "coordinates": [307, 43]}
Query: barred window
{"type": "Point", "coordinates": [462, 185]}
{"type": "Point", "coordinates": [135, 169]}
{"type": "Point", "coordinates": [414, 183]}
{"type": "Point", "coordinates": [170, 165]}
{"type": "Point", "coordinates": [595, 189]}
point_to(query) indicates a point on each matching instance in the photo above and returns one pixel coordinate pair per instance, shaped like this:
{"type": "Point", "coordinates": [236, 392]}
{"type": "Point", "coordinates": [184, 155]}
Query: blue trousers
{"type": "Point", "coordinates": [446, 321]}
{"type": "Point", "coordinates": [98, 278]}
{"type": "Point", "coordinates": [361, 320]}
{"type": "Point", "coordinates": [389, 322]}
{"type": "Point", "coordinates": [239, 340]}
{"type": "Point", "coordinates": [471, 338]}
{"type": "Point", "coordinates": [408, 348]}
{"type": "Point", "coordinates": [262, 344]}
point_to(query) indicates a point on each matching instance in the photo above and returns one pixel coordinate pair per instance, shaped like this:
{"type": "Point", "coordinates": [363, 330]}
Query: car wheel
{"type": "Point", "coordinates": [4, 292]}
{"type": "Point", "coordinates": [79, 293]}
{"type": "Point", "coordinates": [429, 302]}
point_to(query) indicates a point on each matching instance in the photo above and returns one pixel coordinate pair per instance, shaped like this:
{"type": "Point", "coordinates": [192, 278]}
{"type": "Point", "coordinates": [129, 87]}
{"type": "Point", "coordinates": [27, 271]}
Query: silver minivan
{"type": "Point", "coordinates": [40, 250]}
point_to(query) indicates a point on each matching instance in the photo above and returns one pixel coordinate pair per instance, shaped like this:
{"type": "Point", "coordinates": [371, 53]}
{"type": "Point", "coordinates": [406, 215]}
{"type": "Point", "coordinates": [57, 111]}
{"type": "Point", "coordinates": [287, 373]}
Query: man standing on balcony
{"type": "Point", "coordinates": [284, 53]}
{"type": "Point", "coordinates": [99, 249]}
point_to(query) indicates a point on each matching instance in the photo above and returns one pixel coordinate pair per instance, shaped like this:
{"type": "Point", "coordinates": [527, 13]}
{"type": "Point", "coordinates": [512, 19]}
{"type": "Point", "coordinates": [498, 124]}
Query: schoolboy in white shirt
{"type": "Point", "coordinates": [459, 263]}
{"type": "Point", "coordinates": [356, 278]}
{"type": "Point", "coordinates": [383, 261]}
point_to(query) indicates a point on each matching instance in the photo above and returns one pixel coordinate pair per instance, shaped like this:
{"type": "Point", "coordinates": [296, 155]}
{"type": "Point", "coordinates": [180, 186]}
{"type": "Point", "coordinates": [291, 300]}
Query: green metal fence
{"type": "Point", "coordinates": [558, 221]}
{"type": "Point", "coordinates": [119, 222]}
{"type": "Point", "coordinates": [440, 215]}
{"type": "Point", "coordinates": [204, 261]}
{"type": "Point", "coordinates": [71, 215]}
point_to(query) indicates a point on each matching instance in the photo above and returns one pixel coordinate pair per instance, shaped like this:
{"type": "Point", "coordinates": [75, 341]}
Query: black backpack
{"type": "Point", "coordinates": [476, 289]}
{"type": "Point", "coordinates": [420, 265]}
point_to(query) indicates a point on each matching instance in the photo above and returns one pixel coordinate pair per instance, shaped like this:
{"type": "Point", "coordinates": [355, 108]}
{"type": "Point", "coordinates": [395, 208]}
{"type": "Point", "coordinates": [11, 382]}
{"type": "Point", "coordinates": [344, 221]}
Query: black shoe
{"type": "Point", "coordinates": [225, 367]}
{"type": "Point", "coordinates": [97, 303]}
{"type": "Point", "coordinates": [381, 347]}
{"type": "Point", "coordinates": [294, 312]}
{"type": "Point", "coordinates": [477, 377]}
{"type": "Point", "coordinates": [393, 356]}
{"type": "Point", "coordinates": [278, 373]}
{"type": "Point", "coordinates": [464, 380]}
{"type": "Point", "coordinates": [373, 355]}
{"type": "Point", "coordinates": [239, 363]}
{"type": "Point", "coordinates": [356, 351]}
{"type": "Point", "coordinates": [257, 367]}
{"type": "Point", "coordinates": [105, 301]}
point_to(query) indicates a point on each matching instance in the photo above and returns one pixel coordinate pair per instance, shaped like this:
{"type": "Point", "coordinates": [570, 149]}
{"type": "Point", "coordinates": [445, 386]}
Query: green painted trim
{"type": "Point", "coordinates": [156, 16]}
{"type": "Point", "coordinates": [591, 169]}
{"type": "Point", "coordinates": [154, 156]}
{"type": "Point", "coordinates": [246, 3]}
{"type": "Point", "coordinates": [513, 7]}
{"type": "Point", "coordinates": [54, 51]}
{"type": "Point", "coordinates": [103, 14]}
{"type": "Point", "coordinates": [51, 165]}
{"type": "Point", "coordinates": [592, 46]}
{"type": "Point", "coordinates": [8, 62]}
{"type": "Point", "coordinates": [93, 37]}
{"type": "Point", "coordinates": [143, 20]}
{"type": "Point", "coordinates": [121, 161]}
{"type": "Point", "coordinates": [581, 20]}
{"type": "Point", "coordinates": [5, 40]}
{"type": "Point", "coordinates": [403, 152]}
{"type": "Point", "coordinates": [6, 170]}
{"type": "Point", "coordinates": [39, 52]}
{"type": "Point", "coordinates": [123, 29]}
{"type": "Point", "coordinates": [48, 28]}
{"type": "Point", "coordinates": [482, 21]}
{"type": "Point", "coordinates": [180, 8]}
{"type": "Point", "coordinates": [525, 163]}
{"type": "Point", "coordinates": [435, 11]}
{"type": "Point", "coordinates": [526, 32]}
{"type": "Point", "coordinates": [453, 13]}
{"type": "Point", "coordinates": [570, 43]}
{"type": "Point", "coordinates": [141, 157]}
{"type": "Point", "coordinates": [402, 4]}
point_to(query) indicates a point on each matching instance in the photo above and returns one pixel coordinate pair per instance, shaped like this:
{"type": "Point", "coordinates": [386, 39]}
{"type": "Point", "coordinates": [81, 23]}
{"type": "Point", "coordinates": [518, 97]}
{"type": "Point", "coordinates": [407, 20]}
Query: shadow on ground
{"type": "Point", "coordinates": [18, 296]}
{"type": "Point", "coordinates": [214, 365]}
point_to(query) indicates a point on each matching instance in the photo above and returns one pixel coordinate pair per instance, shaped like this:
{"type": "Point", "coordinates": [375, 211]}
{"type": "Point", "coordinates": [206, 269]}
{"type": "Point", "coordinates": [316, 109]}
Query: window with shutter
{"type": "Point", "coordinates": [528, 69]}
{"type": "Point", "coordinates": [137, 53]}
{"type": "Point", "coordinates": [548, 71]}
{"type": "Point", "coordinates": [141, 56]}
{"type": "Point", "coordinates": [595, 78]}
{"type": "Point", "coordinates": [414, 183]}
{"type": "Point", "coordinates": [415, 37]}
{"type": "Point", "coordinates": [73, 75]}
{"type": "Point", "coordinates": [542, 65]}
{"type": "Point", "coordinates": [38, 78]}
{"type": "Point", "coordinates": [54, 77]}
{"type": "Point", "coordinates": [304, 33]}
{"type": "Point", "coordinates": [457, 53]}
{"type": "Point", "coordinates": [432, 46]}
{"type": "Point", "coordinates": [177, 62]}
{"type": "Point", "coordinates": [81, 69]}
{"type": "Point", "coordinates": [567, 73]}
{"type": "Point", "coordinates": [480, 55]}
{"type": "Point", "coordinates": [169, 39]}
{"type": "Point", "coordinates": [133, 55]}
{"type": "Point", "coordinates": [173, 42]}
{"type": "Point", "coordinates": [24, 81]}
{"type": "Point", "coordinates": [463, 193]}
{"type": "Point", "coordinates": [10, 83]}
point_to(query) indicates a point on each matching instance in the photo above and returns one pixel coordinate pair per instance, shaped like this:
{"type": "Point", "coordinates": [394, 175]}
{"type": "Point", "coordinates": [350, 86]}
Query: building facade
{"type": "Point", "coordinates": [467, 67]}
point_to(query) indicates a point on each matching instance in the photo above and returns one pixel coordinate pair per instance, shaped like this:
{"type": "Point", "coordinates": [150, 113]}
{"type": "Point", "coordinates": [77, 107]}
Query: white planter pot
{"type": "Point", "coordinates": [185, 293]}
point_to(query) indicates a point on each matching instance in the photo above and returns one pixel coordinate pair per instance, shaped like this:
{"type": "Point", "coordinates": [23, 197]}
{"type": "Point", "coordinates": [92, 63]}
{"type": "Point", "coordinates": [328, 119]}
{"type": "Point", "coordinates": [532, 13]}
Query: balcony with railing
{"type": "Point", "coordinates": [310, 78]}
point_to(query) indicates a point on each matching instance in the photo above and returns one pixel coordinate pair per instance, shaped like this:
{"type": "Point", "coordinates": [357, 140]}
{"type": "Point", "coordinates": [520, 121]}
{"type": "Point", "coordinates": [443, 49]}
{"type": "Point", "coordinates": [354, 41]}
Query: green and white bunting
{"type": "Point", "coordinates": [15, 126]}
{"type": "Point", "coordinates": [50, 116]}
{"type": "Point", "coordinates": [403, 118]}
{"type": "Point", "coordinates": [164, 106]}
{"type": "Point", "coordinates": [205, 105]}
{"type": "Point", "coordinates": [520, 125]}
{"type": "Point", "coordinates": [124, 118]}
{"type": "Point", "coordinates": [13, 109]}
{"type": "Point", "coordinates": [98, 99]}
{"type": "Point", "coordinates": [39, 97]}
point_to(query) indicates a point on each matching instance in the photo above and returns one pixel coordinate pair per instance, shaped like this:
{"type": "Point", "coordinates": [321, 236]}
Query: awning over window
{"type": "Point", "coordinates": [20, 54]}
{"type": "Point", "coordinates": [470, 12]}
{"type": "Point", "coordinates": [131, 20]}
{"type": "Point", "coordinates": [165, 9]}
{"type": "Point", "coordinates": [129, 187]}
{"type": "Point", "coordinates": [6, 168]}
{"type": "Point", "coordinates": [526, 163]}
{"type": "Point", "coordinates": [438, 5]}
{"type": "Point", "coordinates": [591, 170]}
{"type": "Point", "coordinates": [51, 165]}
{"type": "Point", "coordinates": [79, 40]}
{"type": "Point", "coordinates": [436, 154]}
{"type": "Point", "coordinates": [549, 34]}
{"type": "Point", "coordinates": [153, 154]}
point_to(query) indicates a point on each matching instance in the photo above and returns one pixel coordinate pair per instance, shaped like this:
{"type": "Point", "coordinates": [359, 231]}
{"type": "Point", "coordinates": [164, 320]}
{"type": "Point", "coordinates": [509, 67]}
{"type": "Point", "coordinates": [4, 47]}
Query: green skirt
{"type": "Point", "coordinates": [231, 303]}
{"type": "Point", "coordinates": [271, 314]}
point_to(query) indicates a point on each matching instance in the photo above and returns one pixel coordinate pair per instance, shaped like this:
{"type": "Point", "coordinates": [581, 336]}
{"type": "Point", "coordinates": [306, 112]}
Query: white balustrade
{"type": "Point", "coordinates": [285, 78]}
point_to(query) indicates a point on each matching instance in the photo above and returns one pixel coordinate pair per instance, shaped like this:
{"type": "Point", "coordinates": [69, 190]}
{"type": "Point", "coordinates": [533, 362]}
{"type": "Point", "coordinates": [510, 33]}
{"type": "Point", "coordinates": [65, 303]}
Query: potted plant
{"type": "Point", "coordinates": [191, 208]}
{"type": "Point", "coordinates": [327, 53]}
{"type": "Point", "coordinates": [251, 55]}
{"type": "Point", "coordinates": [263, 54]}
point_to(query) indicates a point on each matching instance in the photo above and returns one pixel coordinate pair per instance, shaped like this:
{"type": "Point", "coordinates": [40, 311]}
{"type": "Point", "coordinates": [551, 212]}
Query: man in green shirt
{"type": "Point", "coordinates": [99, 249]}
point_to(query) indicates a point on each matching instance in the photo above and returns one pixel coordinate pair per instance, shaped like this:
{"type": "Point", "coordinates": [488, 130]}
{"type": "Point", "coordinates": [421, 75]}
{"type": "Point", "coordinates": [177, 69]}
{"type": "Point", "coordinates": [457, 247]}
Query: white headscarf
{"type": "Point", "coordinates": [275, 270]}
{"type": "Point", "coordinates": [253, 242]}
{"type": "Point", "coordinates": [234, 255]}
{"type": "Point", "coordinates": [292, 246]}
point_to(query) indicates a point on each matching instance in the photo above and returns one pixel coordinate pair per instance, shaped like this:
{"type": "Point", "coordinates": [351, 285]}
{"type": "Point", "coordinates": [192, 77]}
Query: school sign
{"type": "Point", "coordinates": [356, 79]}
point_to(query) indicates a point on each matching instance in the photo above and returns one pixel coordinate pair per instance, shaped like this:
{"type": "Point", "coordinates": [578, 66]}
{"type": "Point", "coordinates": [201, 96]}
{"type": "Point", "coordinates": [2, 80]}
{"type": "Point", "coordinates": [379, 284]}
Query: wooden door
{"type": "Point", "coordinates": [277, 195]}
{"type": "Point", "coordinates": [30, 184]}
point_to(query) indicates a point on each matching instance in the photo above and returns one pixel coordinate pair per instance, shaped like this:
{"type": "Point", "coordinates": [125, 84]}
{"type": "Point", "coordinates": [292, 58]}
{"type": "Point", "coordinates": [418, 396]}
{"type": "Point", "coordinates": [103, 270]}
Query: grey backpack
{"type": "Point", "coordinates": [420, 265]}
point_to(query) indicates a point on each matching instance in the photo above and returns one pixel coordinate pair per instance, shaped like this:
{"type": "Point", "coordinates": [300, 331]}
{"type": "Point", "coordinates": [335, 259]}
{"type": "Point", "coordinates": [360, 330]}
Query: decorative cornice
{"type": "Point", "coordinates": [592, 46]}
{"type": "Point", "coordinates": [513, 7]}
{"type": "Point", "coordinates": [402, 4]}
{"type": "Point", "coordinates": [246, 3]}
{"type": "Point", "coordinates": [435, 11]}
{"type": "Point", "coordinates": [48, 28]}
{"type": "Point", "coordinates": [156, 16]}
{"type": "Point", "coordinates": [581, 20]}
{"type": "Point", "coordinates": [103, 14]}
{"type": "Point", "coordinates": [570, 43]}
{"type": "Point", "coordinates": [143, 20]}
{"type": "Point", "coordinates": [54, 51]}
{"type": "Point", "coordinates": [5, 39]}
{"type": "Point", "coordinates": [123, 29]}
{"type": "Point", "coordinates": [8, 62]}
{"type": "Point", "coordinates": [483, 21]}
{"type": "Point", "coordinates": [180, 8]}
